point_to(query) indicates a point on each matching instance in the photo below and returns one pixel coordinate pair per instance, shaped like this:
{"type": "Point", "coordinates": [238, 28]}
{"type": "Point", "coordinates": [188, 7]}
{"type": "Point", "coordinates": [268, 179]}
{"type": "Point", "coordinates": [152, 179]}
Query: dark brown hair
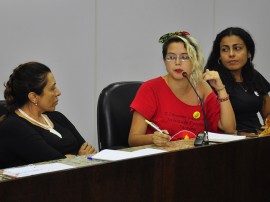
{"type": "Point", "coordinates": [26, 78]}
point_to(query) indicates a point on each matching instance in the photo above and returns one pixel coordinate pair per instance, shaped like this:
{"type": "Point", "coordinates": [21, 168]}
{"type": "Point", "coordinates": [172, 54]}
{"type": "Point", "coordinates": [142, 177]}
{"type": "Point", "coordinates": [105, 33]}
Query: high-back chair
{"type": "Point", "coordinates": [3, 108]}
{"type": "Point", "coordinates": [113, 114]}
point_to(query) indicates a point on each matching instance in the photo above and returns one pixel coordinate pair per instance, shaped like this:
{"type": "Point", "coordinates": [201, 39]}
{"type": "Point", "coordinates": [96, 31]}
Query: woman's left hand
{"type": "Point", "coordinates": [86, 149]}
{"type": "Point", "coordinates": [214, 79]}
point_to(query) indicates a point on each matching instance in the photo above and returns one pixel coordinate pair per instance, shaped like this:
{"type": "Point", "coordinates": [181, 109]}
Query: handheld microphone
{"type": "Point", "coordinates": [202, 137]}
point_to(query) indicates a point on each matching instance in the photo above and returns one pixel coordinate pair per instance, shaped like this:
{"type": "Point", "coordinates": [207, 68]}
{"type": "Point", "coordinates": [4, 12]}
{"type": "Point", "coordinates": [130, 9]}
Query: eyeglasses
{"type": "Point", "coordinates": [173, 57]}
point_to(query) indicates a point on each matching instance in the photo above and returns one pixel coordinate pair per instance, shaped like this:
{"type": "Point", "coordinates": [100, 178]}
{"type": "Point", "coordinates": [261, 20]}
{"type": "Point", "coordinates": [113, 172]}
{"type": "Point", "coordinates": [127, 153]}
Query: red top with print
{"type": "Point", "coordinates": [157, 103]}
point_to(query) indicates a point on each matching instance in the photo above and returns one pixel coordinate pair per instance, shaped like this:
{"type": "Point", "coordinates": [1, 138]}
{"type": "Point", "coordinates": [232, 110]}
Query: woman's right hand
{"type": "Point", "coordinates": [161, 139]}
{"type": "Point", "coordinates": [86, 149]}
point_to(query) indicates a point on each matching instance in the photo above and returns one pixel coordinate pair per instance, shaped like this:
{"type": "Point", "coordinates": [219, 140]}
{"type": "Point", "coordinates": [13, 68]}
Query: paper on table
{"type": "Point", "coordinates": [35, 169]}
{"type": "Point", "coordinates": [114, 155]}
{"type": "Point", "coordinates": [216, 137]}
{"type": "Point", "coordinates": [147, 151]}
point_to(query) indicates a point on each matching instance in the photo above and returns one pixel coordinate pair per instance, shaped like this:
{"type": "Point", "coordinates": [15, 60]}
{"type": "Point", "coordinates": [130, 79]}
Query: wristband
{"type": "Point", "coordinates": [224, 98]}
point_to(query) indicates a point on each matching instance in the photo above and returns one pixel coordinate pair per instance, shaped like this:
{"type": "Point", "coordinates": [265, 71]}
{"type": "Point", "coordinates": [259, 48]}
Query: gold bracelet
{"type": "Point", "coordinates": [224, 98]}
{"type": "Point", "coordinates": [217, 90]}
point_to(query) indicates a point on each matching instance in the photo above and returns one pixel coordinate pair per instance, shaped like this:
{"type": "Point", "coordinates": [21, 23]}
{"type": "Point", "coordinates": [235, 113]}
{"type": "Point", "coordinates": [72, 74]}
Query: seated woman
{"type": "Point", "coordinates": [170, 101]}
{"type": "Point", "coordinates": [33, 131]}
{"type": "Point", "coordinates": [232, 54]}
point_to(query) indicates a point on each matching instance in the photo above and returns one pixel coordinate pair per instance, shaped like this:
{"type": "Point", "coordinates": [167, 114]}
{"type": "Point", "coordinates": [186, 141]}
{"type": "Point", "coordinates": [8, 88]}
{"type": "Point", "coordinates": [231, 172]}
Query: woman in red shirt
{"type": "Point", "coordinates": [170, 101]}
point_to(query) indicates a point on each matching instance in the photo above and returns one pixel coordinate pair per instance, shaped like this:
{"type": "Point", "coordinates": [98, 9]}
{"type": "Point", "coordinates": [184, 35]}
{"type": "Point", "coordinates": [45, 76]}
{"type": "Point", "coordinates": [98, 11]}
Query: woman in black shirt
{"type": "Point", "coordinates": [33, 131]}
{"type": "Point", "coordinates": [232, 54]}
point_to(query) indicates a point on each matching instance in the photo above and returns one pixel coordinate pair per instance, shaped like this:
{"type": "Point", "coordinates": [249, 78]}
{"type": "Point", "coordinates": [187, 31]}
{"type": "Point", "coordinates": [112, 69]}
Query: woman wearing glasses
{"type": "Point", "coordinates": [171, 103]}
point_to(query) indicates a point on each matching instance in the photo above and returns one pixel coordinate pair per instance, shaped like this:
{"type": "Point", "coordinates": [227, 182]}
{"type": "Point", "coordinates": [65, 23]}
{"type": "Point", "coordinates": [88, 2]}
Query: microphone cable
{"type": "Point", "coordinates": [202, 137]}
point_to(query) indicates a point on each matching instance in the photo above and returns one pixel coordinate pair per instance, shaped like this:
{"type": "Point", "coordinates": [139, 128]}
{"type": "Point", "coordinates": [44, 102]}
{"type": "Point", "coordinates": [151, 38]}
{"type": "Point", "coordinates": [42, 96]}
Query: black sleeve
{"type": "Point", "coordinates": [261, 84]}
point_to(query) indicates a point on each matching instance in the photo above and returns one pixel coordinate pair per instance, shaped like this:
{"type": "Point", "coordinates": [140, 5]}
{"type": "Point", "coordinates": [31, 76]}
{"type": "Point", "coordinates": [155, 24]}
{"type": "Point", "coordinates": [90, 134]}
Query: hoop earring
{"type": "Point", "coordinates": [250, 61]}
{"type": "Point", "coordinates": [218, 61]}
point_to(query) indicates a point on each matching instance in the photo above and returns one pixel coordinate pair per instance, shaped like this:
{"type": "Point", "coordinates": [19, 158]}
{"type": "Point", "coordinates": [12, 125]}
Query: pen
{"type": "Point", "coordinates": [154, 126]}
{"type": "Point", "coordinates": [90, 158]}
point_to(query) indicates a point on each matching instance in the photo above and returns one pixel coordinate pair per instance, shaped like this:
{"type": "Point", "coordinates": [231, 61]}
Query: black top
{"type": "Point", "coordinates": [247, 102]}
{"type": "Point", "coordinates": [246, 105]}
{"type": "Point", "coordinates": [24, 143]}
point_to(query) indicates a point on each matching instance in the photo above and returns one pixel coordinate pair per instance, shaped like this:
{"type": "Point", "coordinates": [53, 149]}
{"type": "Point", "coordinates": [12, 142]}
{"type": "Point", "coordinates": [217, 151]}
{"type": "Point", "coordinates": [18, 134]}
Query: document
{"type": "Point", "coordinates": [216, 137]}
{"type": "Point", "coordinates": [35, 169]}
{"type": "Point", "coordinates": [114, 155]}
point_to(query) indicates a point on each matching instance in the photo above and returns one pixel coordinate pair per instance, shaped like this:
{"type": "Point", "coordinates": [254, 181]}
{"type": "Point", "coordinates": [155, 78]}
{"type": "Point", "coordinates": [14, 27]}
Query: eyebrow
{"type": "Point", "coordinates": [176, 54]}
{"type": "Point", "coordinates": [53, 84]}
{"type": "Point", "coordinates": [237, 44]}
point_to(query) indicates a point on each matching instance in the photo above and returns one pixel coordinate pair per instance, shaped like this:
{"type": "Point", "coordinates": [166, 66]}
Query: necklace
{"type": "Point", "coordinates": [48, 126]}
{"type": "Point", "coordinates": [245, 90]}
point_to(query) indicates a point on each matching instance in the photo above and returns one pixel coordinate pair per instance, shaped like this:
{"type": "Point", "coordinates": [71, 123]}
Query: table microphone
{"type": "Point", "coordinates": [202, 137]}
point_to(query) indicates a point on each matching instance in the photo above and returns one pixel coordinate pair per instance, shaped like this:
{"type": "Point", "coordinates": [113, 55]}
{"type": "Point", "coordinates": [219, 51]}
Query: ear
{"type": "Point", "coordinates": [33, 97]}
{"type": "Point", "coordinates": [249, 55]}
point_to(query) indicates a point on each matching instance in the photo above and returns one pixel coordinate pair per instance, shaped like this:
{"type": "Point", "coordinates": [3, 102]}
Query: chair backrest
{"type": "Point", "coordinates": [113, 114]}
{"type": "Point", "coordinates": [3, 108]}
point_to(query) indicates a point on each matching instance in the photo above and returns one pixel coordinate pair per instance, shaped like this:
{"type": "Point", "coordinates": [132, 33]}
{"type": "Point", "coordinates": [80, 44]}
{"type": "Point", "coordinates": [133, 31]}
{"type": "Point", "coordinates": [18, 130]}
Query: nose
{"type": "Point", "coordinates": [177, 60]}
{"type": "Point", "coordinates": [58, 92]}
{"type": "Point", "coordinates": [231, 53]}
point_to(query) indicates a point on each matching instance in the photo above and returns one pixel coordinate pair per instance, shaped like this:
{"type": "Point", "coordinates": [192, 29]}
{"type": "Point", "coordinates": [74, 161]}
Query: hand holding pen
{"type": "Point", "coordinates": [160, 137]}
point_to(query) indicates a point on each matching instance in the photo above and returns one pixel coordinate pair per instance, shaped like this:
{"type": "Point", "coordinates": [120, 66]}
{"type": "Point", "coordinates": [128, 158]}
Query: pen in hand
{"type": "Point", "coordinates": [155, 126]}
{"type": "Point", "coordinates": [159, 140]}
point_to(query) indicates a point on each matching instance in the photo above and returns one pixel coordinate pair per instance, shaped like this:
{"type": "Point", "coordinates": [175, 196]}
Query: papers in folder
{"type": "Point", "coordinates": [35, 169]}
{"type": "Point", "coordinates": [114, 155]}
{"type": "Point", "coordinates": [216, 137]}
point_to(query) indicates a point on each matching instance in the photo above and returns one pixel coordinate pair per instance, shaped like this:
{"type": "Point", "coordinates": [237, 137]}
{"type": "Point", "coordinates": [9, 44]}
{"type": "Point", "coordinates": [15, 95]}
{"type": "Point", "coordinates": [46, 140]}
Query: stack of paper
{"type": "Point", "coordinates": [114, 155]}
{"type": "Point", "coordinates": [35, 169]}
{"type": "Point", "coordinates": [216, 137]}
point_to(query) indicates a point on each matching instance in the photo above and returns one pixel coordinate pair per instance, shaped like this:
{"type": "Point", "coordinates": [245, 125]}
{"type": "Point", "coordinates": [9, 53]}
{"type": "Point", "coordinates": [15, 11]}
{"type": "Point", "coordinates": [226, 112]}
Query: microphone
{"type": "Point", "coordinates": [202, 137]}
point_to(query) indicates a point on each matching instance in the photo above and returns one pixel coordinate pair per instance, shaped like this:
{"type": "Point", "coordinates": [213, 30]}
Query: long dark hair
{"type": "Point", "coordinates": [248, 71]}
{"type": "Point", "coordinates": [26, 78]}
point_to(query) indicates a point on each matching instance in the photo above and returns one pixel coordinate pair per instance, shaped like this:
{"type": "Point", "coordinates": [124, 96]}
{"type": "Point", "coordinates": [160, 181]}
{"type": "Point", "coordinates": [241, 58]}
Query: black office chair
{"type": "Point", "coordinates": [113, 114]}
{"type": "Point", "coordinates": [3, 108]}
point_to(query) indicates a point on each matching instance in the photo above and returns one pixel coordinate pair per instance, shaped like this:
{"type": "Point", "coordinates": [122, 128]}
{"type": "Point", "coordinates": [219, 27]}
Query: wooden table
{"type": "Point", "coordinates": [235, 171]}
